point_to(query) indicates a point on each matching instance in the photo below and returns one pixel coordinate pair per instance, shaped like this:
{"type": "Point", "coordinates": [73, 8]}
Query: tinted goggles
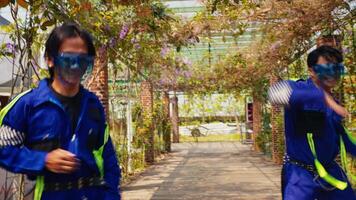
{"type": "Point", "coordinates": [74, 61]}
{"type": "Point", "coordinates": [329, 69]}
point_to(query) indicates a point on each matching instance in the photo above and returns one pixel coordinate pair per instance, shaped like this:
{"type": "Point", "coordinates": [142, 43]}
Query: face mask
{"type": "Point", "coordinates": [329, 71]}
{"type": "Point", "coordinates": [73, 67]}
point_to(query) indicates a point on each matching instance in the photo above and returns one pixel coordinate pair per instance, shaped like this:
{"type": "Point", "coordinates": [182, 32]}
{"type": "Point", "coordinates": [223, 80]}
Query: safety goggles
{"type": "Point", "coordinates": [74, 61]}
{"type": "Point", "coordinates": [334, 70]}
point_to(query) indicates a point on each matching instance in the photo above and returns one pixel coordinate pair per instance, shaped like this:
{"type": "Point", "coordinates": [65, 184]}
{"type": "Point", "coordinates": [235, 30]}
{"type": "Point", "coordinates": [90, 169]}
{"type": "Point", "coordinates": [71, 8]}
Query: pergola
{"type": "Point", "coordinates": [216, 44]}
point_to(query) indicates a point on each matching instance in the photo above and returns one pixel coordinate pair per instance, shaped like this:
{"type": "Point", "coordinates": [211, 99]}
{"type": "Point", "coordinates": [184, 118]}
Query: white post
{"type": "Point", "coordinates": [129, 123]}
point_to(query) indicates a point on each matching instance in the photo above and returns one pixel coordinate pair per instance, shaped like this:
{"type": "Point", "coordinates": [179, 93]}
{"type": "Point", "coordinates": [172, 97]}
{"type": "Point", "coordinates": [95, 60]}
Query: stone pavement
{"type": "Point", "coordinates": [199, 171]}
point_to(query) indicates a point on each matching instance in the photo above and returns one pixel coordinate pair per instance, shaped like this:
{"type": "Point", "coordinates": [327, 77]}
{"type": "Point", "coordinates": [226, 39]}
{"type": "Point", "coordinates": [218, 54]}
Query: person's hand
{"type": "Point", "coordinates": [330, 102]}
{"type": "Point", "coordinates": [61, 161]}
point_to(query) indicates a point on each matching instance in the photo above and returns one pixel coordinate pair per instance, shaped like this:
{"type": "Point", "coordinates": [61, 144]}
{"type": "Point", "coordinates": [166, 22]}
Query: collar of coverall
{"type": "Point", "coordinates": [45, 93]}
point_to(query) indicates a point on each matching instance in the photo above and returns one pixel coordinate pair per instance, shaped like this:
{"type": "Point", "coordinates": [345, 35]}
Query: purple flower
{"type": "Point", "coordinates": [124, 31]}
{"type": "Point", "coordinates": [164, 81]}
{"type": "Point", "coordinates": [107, 28]}
{"type": "Point", "coordinates": [186, 61]}
{"type": "Point", "coordinates": [275, 45]}
{"type": "Point", "coordinates": [10, 48]}
{"type": "Point", "coordinates": [177, 71]}
{"type": "Point", "coordinates": [133, 40]}
{"type": "Point", "coordinates": [346, 50]}
{"type": "Point", "coordinates": [137, 46]}
{"type": "Point", "coordinates": [102, 50]}
{"type": "Point", "coordinates": [112, 42]}
{"type": "Point", "coordinates": [187, 74]}
{"type": "Point", "coordinates": [164, 51]}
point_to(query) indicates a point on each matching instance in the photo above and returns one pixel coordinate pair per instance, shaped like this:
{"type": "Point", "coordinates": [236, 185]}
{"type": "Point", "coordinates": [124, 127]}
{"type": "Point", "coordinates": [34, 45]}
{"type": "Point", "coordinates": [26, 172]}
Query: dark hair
{"type": "Point", "coordinates": [65, 31]}
{"type": "Point", "coordinates": [329, 53]}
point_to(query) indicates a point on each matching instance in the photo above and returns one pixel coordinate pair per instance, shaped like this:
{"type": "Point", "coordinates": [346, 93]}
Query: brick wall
{"type": "Point", "coordinates": [146, 97]}
{"type": "Point", "coordinates": [277, 122]}
{"type": "Point", "coordinates": [175, 119]}
{"type": "Point", "coordinates": [166, 136]}
{"type": "Point", "coordinates": [277, 134]}
{"type": "Point", "coordinates": [257, 121]}
{"type": "Point", "coordinates": [99, 82]}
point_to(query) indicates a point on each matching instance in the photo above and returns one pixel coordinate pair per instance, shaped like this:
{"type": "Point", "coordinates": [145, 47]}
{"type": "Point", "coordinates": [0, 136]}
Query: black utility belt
{"type": "Point", "coordinates": [310, 168]}
{"type": "Point", "coordinates": [78, 184]}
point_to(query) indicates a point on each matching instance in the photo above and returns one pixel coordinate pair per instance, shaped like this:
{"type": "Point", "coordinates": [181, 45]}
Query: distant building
{"type": "Point", "coordinates": [10, 66]}
{"type": "Point", "coordinates": [5, 66]}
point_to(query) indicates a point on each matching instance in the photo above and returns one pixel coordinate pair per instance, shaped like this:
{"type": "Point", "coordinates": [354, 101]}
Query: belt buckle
{"type": "Point", "coordinates": [56, 186]}
{"type": "Point", "coordinates": [80, 183]}
{"type": "Point", "coordinates": [102, 182]}
{"type": "Point", "coordinates": [311, 168]}
{"type": "Point", "coordinates": [91, 181]}
{"type": "Point", "coordinates": [70, 185]}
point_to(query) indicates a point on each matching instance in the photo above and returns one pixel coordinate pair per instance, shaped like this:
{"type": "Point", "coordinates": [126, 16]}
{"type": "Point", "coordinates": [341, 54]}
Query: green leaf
{"type": "Point", "coordinates": [47, 24]}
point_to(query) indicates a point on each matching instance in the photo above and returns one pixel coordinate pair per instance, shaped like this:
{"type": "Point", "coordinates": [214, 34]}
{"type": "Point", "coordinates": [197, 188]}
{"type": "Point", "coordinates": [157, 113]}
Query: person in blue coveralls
{"type": "Point", "coordinates": [314, 134]}
{"type": "Point", "coordinates": [56, 133]}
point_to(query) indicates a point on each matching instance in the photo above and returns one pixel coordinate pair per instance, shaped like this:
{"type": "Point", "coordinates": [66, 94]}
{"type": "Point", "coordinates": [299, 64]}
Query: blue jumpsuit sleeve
{"type": "Point", "coordinates": [307, 98]}
{"type": "Point", "coordinates": [20, 159]}
{"type": "Point", "coordinates": [112, 172]}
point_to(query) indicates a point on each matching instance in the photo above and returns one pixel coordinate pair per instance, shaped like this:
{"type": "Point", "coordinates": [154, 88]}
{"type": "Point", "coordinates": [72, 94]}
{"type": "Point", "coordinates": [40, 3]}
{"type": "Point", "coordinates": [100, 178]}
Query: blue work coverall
{"type": "Point", "coordinates": [42, 118]}
{"type": "Point", "coordinates": [299, 183]}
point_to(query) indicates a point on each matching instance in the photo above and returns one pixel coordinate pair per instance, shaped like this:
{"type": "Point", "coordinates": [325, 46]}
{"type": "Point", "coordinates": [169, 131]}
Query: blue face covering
{"type": "Point", "coordinates": [329, 71]}
{"type": "Point", "coordinates": [71, 67]}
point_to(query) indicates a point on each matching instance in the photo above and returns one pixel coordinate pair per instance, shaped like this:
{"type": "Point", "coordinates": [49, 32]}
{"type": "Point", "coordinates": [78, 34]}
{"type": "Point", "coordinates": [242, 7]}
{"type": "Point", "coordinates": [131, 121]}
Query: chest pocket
{"type": "Point", "coordinates": [94, 127]}
{"type": "Point", "coordinates": [45, 127]}
{"type": "Point", "coordinates": [309, 121]}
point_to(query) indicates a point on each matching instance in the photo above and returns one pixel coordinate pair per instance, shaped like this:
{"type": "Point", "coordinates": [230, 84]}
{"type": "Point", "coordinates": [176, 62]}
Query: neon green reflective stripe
{"type": "Point", "coordinates": [311, 144]}
{"type": "Point", "coordinates": [98, 154]}
{"type": "Point", "coordinates": [328, 178]}
{"type": "Point", "coordinates": [39, 188]}
{"type": "Point", "coordinates": [321, 170]}
{"type": "Point", "coordinates": [350, 136]}
{"type": "Point", "coordinates": [341, 185]}
{"type": "Point", "coordinates": [343, 153]}
{"type": "Point", "coordinates": [344, 161]}
{"type": "Point", "coordinates": [8, 107]}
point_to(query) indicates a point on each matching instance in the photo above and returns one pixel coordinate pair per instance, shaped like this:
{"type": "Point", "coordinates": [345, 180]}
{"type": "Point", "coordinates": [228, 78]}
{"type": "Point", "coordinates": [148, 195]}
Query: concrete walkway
{"type": "Point", "coordinates": [199, 171]}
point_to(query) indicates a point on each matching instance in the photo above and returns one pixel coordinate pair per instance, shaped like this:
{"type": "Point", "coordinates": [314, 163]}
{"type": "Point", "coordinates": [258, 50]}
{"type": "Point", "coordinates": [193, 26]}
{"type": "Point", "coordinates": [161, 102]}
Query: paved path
{"type": "Point", "coordinates": [200, 171]}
